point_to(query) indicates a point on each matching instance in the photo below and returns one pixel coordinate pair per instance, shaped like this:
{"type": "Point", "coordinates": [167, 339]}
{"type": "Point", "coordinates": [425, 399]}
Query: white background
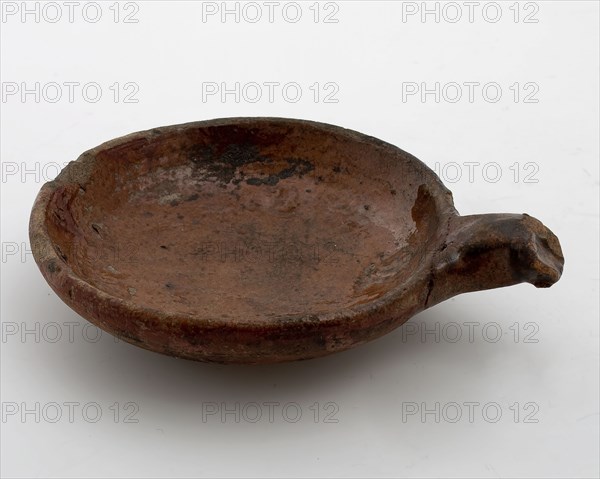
{"type": "Point", "coordinates": [371, 55]}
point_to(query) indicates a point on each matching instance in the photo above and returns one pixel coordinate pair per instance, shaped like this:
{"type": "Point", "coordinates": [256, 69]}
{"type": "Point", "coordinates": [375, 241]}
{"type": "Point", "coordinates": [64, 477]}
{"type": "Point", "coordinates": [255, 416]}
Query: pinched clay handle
{"type": "Point", "coordinates": [492, 251]}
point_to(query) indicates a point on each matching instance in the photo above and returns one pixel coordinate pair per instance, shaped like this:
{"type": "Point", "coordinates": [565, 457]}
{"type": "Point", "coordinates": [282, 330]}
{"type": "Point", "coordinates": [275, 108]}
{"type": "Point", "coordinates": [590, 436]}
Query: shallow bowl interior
{"type": "Point", "coordinates": [248, 219]}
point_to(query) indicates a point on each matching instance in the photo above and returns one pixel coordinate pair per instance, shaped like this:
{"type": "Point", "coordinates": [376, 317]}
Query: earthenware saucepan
{"type": "Point", "coordinates": [258, 240]}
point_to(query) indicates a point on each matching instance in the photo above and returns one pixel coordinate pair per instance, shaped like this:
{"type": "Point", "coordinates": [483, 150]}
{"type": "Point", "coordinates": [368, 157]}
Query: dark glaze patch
{"type": "Point", "coordinates": [297, 167]}
{"type": "Point", "coordinates": [53, 267]}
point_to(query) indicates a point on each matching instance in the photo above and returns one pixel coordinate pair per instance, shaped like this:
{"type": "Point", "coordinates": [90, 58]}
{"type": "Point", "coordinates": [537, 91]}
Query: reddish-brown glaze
{"type": "Point", "coordinates": [257, 240]}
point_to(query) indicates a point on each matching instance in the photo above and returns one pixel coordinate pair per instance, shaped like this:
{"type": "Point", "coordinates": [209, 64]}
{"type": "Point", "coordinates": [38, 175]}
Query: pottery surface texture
{"type": "Point", "coordinates": [259, 240]}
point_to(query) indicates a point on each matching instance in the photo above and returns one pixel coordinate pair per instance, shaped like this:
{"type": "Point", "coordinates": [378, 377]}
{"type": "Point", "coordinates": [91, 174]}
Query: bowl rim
{"type": "Point", "coordinates": [62, 279]}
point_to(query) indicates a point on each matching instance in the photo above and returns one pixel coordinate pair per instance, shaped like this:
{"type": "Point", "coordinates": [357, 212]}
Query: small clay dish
{"type": "Point", "coordinates": [260, 240]}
